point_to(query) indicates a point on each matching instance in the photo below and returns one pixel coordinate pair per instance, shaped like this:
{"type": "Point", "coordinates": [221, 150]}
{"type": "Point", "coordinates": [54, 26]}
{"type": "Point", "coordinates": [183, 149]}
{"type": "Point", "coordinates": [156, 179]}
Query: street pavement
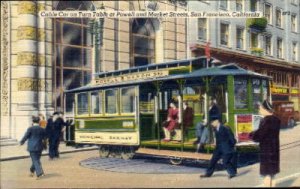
{"type": "Point", "coordinates": [67, 173]}
{"type": "Point", "coordinates": [12, 152]}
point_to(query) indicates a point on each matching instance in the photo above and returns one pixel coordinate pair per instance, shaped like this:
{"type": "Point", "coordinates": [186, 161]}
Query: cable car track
{"type": "Point", "coordinates": [290, 145]}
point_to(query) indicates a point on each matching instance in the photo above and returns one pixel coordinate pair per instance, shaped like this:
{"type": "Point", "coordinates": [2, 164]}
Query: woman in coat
{"type": "Point", "coordinates": [268, 137]}
{"type": "Point", "coordinates": [171, 122]}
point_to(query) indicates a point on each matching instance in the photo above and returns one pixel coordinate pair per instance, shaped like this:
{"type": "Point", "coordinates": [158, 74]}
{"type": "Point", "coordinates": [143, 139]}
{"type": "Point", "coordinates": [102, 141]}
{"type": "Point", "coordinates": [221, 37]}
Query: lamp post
{"type": "Point", "coordinates": [96, 30]}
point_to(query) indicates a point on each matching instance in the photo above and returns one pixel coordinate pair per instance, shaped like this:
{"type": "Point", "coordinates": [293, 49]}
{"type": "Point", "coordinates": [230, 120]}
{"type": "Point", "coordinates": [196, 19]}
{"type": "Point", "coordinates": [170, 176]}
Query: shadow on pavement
{"type": "Point", "coordinates": [50, 175]}
{"type": "Point", "coordinates": [286, 183]}
{"type": "Point", "coordinates": [240, 173]}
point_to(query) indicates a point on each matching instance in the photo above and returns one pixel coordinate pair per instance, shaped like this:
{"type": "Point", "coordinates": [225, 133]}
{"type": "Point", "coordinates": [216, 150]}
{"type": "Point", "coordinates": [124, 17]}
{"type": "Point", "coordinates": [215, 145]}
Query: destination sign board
{"type": "Point", "coordinates": [132, 77]}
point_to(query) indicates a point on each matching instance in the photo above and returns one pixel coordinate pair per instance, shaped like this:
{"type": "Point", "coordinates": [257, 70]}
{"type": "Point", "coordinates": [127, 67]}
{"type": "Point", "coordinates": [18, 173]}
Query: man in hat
{"type": "Point", "coordinates": [35, 136]}
{"type": "Point", "coordinates": [54, 129]}
{"type": "Point", "coordinates": [268, 137]}
{"type": "Point", "coordinates": [225, 149]}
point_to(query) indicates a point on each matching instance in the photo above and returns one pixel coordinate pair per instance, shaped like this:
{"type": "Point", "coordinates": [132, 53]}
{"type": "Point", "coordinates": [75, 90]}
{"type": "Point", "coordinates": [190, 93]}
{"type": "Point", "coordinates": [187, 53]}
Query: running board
{"type": "Point", "coordinates": [174, 154]}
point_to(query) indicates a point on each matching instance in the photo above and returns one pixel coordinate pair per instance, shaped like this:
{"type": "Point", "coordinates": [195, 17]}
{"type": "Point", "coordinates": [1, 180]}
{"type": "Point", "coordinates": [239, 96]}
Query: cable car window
{"type": "Point", "coordinates": [147, 103]}
{"type": "Point", "coordinates": [111, 101]}
{"type": "Point", "coordinates": [240, 93]}
{"type": "Point", "coordinates": [265, 89]}
{"type": "Point", "coordinates": [192, 96]}
{"type": "Point", "coordinates": [256, 92]}
{"type": "Point", "coordinates": [82, 101]}
{"type": "Point", "coordinates": [127, 100]}
{"type": "Point", "coordinates": [70, 98]}
{"type": "Point", "coordinates": [96, 102]}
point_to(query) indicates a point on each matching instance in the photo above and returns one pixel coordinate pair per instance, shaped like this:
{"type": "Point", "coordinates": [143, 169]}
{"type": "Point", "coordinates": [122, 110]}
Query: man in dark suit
{"type": "Point", "coordinates": [225, 149]}
{"type": "Point", "coordinates": [54, 129]}
{"type": "Point", "coordinates": [35, 136]}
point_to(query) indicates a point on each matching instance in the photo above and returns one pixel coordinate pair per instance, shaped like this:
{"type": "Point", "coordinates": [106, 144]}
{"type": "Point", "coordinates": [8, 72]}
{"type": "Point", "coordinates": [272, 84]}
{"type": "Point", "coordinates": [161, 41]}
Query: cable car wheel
{"type": "Point", "coordinates": [104, 151]}
{"type": "Point", "coordinates": [124, 152]}
{"type": "Point", "coordinates": [176, 160]}
{"type": "Point", "coordinates": [127, 152]}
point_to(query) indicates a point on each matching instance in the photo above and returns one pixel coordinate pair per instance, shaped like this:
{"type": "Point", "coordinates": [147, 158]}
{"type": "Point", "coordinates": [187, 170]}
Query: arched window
{"type": "Point", "coordinates": [143, 42]}
{"type": "Point", "coordinates": [73, 53]}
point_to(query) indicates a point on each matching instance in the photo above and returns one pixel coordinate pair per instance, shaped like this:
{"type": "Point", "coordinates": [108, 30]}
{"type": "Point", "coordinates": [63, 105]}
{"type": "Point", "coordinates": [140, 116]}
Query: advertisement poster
{"type": "Point", "coordinates": [244, 127]}
{"type": "Point", "coordinates": [139, 93]}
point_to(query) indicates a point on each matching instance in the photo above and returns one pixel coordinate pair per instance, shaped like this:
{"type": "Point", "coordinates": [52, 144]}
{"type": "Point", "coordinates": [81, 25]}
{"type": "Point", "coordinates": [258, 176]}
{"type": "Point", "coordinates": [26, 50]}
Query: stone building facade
{"type": "Point", "coordinates": [42, 57]}
{"type": "Point", "coordinates": [273, 50]}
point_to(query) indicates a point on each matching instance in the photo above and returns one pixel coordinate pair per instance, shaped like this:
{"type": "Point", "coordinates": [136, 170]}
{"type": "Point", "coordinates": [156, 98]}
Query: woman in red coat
{"type": "Point", "coordinates": [172, 121]}
{"type": "Point", "coordinates": [268, 137]}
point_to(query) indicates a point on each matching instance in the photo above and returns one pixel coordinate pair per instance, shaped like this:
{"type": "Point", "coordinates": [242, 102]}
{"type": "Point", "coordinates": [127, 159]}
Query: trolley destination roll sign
{"type": "Point", "coordinates": [132, 77]}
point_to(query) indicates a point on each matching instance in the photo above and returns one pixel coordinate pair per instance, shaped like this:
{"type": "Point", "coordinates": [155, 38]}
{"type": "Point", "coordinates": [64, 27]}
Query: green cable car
{"type": "Point", "coordinates": [123, 111]}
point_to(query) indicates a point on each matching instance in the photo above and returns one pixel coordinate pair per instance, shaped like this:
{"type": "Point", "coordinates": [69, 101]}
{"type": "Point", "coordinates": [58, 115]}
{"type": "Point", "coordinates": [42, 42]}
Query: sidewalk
{"type": "Point", "coordinates": [19, 152]}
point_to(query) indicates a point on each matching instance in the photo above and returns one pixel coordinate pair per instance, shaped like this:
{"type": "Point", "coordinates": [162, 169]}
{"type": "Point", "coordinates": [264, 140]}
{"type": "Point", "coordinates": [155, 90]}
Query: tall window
{"type": "Point", "coordinates": [254, 40]}
{"type": "Point", "coordinates": [240, 38]}
{"type": "Point", "coordinates": [224, 4]}
{"type": "Point", "coordinates": [143, 42]}
{"type": "Point", "coordinates": [268, 13]}
{"type": "Point", "coordinates": [294, 51]}
{"type": "Point", "coordinates": [268, 45]}
{"type": "Point", "coordinates": [73, 54]}
{"type": "Point", "coordinates": [224, 34]}
{"type": "Point", "coordinates": [293, 23]}
{"type": "Point", "coordinates": [202, 28]}
{"type": "Point", "coordinates": [294, 2]}
{"type": "Point", "coordinates": [239, 5]}
{"type": "Point", "coordinates": [253, 5]}
{"type": "Point", "coordinates": [279, 48]}
{"type": "Point", "coordinates": [278, 18]}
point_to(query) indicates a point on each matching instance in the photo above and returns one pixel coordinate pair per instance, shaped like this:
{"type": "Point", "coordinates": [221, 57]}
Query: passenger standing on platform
{"type": "Point", "coordinates": [171, 122]}
{"type": "Point", "coordinates": [200, 127]}
{"type": "Point", "coordinates": [268, 137]}
{"type": "Point", "coordinates": [225, 149]}
{"type": "Point", "coordinates": [202, 134]}
{"type": "Point", "coordinates": [214, 110]}
{"type": "Point", "coordinates": [35, 136]}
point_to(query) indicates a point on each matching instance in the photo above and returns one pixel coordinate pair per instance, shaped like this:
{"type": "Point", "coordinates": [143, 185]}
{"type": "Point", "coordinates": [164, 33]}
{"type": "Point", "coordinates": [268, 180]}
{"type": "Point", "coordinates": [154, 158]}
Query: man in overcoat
{"type": "Point", "coordinates": [268, 137]}
{"type": "Point", "coordinates": [225, 149]}
{"type": "Point", "coordinates": [187, 121]}
{"type": "Point", "coordinates": [35, 136]}
{"type": "Point", "coordinates": [54, 129]}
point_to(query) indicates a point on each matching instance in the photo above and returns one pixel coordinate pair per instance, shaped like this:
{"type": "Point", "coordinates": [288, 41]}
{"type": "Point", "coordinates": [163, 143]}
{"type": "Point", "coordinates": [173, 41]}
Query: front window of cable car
{"type": "Point", "coordinates": [111, 101]}
{"type": "Point", "coordinates": [127, 100]}
{"type": "Point", "coordinates": [82, 101]}
{"type": "Point", "coordinates": [96, 102]}
{"type": "Point", "coordinates": [240, 93]}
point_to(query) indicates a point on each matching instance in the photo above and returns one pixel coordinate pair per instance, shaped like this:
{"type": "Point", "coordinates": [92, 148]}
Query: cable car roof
{"type": "Point", "coordinates": [223, 70]}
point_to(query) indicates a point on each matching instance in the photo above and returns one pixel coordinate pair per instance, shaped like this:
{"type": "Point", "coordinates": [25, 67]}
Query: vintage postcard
{"type": "Point", "coordinates": [150, 94]}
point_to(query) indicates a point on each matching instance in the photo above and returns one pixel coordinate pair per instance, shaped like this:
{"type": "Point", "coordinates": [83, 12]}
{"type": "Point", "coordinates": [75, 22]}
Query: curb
{"type": "Point", "coordinates": [45, 154]}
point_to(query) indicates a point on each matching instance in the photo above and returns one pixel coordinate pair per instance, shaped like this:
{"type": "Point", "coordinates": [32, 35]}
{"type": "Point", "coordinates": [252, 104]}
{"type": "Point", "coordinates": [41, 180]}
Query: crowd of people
{"type": "Point", "coordinates": [267, 136]}
{"type": "Point", "coordinates": [42, 135]}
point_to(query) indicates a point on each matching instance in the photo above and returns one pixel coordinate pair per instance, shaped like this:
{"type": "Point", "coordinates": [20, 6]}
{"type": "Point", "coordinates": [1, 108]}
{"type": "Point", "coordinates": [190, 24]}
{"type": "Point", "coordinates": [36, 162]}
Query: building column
{"type": "Point", "coordinates": [44, 60]}
{"type": "Point", "coordinates": [5, 131]}
{"type": "Point", "coordinates": [25, 81]}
